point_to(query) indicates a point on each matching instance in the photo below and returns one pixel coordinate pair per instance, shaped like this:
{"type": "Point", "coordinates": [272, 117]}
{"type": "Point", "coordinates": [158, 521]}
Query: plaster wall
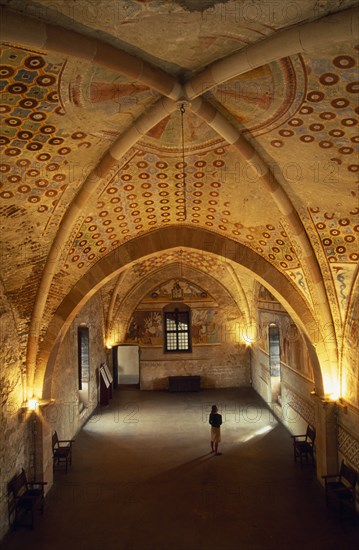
{"type": "Point", "coordinates": [67, 414]}
{"type": "Point", "coordinates": [260, 373]}
{"type": "Point", "coordinates": [337, 424]}
{"type": "Point", "coordinates": [293, 406]}
{"type": "Point", "coordinates": [217, 353]}
{"type": "Point", "coordinates": [16, 448]}
{"type": "Point", "coordinates": [348, 440]}
{"type": "Point", "coordinates": [221, 366]}
{"type": "Point", "coordinates": [25, 437]}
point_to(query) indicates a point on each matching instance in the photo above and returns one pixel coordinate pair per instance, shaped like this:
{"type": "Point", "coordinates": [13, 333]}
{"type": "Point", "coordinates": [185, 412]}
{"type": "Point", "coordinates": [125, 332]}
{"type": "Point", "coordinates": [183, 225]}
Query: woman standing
{"type": "Point", "coordinates": [215, 420]}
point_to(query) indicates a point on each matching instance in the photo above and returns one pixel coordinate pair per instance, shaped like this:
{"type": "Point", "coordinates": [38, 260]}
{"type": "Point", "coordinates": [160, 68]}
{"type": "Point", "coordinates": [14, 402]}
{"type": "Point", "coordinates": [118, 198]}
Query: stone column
{"type": "Point", "coordinates": [326, 436]}
{"type": "Point", "coordinates": [41, 433]}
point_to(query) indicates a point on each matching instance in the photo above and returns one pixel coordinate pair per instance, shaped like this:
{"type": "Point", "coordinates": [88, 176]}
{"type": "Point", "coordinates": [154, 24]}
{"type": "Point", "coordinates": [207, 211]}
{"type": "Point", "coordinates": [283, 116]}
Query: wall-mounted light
{"type": "Point", "coordinates": [32, 404]}
{"type": "Point", "coordinates": [109, 343]}
{"type": "Point", "coordinates": [249, 333]}
{"type": "Point", "coordinates": [332, 396]}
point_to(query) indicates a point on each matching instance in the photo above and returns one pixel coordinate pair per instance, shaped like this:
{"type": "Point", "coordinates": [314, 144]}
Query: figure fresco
{"type": "Point", "coordinates": [177, 289]}
{"type": "Point", "coordinates": [264, 295]}
{"type": "Point", "coordinates": [205, 326]}
{"type": "Point", "coordinates": [145, 328]}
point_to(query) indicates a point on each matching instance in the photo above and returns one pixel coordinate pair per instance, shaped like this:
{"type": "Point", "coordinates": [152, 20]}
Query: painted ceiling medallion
{"type": "Point", "coordinates": [263, 99]}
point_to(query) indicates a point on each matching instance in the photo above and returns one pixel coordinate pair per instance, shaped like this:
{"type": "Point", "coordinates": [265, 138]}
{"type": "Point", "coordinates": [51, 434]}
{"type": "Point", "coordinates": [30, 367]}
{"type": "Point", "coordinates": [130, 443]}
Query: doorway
{"type": "Point", "coordinates": [128, 365]}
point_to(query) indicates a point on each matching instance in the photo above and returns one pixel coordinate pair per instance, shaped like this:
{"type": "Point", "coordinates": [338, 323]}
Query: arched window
{"type": "Point", "coordinates": [83, 354]}
{"type": "Point", "coordinates": [274, 350]}
{"type": "Point", "coordinates": [177, 329]}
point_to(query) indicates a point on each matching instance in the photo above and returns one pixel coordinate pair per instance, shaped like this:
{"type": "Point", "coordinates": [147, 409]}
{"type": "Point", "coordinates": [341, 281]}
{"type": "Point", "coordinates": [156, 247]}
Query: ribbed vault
{"type": "Point", "coordinates": [93, 179]}
{"type": "Point", "coordinates": [159, 241]}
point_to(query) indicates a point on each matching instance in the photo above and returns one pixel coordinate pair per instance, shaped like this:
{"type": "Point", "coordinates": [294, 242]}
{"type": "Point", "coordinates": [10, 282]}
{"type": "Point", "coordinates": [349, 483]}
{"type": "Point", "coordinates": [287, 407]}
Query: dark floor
{"type": "Point", "coordinates": [143, 479]}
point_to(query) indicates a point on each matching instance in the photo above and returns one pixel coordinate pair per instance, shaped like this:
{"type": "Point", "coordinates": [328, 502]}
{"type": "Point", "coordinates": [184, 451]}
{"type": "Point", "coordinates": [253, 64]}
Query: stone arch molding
{"type": "Point", "coordinates": [162, 240]}
{"type": "Point", "coordinates": [301, 38]}
{"type": "Point", "coordinates": [125, 305]}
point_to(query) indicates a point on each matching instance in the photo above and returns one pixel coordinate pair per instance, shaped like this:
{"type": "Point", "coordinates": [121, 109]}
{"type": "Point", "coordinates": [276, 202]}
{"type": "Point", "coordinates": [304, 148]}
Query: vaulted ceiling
{"type": "Point", "coordinates": [103, 101]}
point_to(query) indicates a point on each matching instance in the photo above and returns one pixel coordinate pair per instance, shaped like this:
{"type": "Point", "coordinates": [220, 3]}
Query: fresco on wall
{"type": "Point", "coordinates": [264, 295]}
{"type": "Point", "coordinates": [146, 327]}
{"type": "Point", "coordinates": [205, 326]}
{"type": "Point", "coordinates": [178, 289]}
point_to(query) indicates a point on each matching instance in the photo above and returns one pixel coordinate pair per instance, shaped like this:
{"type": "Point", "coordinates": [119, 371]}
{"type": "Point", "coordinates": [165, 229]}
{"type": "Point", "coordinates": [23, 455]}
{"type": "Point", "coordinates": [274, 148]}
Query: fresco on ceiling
{"type": "Point", "coordinates": [177, 289]}
{"type": "Point", "coordinates": [185, 257]}
{"type": "Point", "coordinates": [32, 122]}
{"type": "Point", "coordinates": [332, 98]}
{"type": "Point", "coordinates": [114, 101]}
{"type": "Point", "coordinates": [166, 136]}
{"type": "Point", "coordinates": [334, 238]}
{"type": "Point", "coordinates": [293, 350]}
{"type": "Point", "coordinates": [343, 278]}
{"type": "Point", "coordinates": [146, 327]}
{"type": "Point", "coordinates": [262, 99]}
{"type": "Point", "coordinates": [147, 193]}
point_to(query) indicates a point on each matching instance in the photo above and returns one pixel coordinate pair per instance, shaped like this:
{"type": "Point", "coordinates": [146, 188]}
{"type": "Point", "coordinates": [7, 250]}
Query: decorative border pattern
{"type": "Point", "coordinates": [348, 446]}
{"type": "Point", "coordinates": [300, 405]}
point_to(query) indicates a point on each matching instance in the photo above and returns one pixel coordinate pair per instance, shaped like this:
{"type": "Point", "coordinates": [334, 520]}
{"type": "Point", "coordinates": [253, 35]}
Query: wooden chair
{"type": "Point", "coordinates": [340, 488]}
{"type": "Point", "coordinates": [303, 446]}
{"type": "Point", "coordinates": [61, 451]}
{"type": "Point", "coordinates": [24, 498]}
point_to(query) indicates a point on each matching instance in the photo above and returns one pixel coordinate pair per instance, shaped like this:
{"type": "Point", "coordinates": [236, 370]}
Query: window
{"type": "Point", "coordinates": [274, 350]}
{"type": "Point", "coordinates": [83, 357]}
{"type": "Point", "coordinates": [177, 331]}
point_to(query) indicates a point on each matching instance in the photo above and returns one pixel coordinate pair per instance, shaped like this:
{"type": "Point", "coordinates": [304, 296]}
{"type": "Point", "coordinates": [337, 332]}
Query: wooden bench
{"type": "Point", "coordinates": [24, 498]}
{"type": "Point", "coordinates": [184, 383]}
{"type": "Point", "coordinates": [61, 451]}
{"type": "Point", "coordinates": [303, 446]}
{"type": "Point", "coordinates": [340, 488]}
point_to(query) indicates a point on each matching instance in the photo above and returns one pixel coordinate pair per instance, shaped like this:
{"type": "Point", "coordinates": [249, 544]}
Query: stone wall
{"type": "Point", "coordinates": [25, 438]}
{"type": "Point", "coordinates": [337, 424]}
{"type": "Point", "coordinates": [293, 407]}
{"type": "Point", "coordinates": [217, 354]}
{"type": "Point", "coordinates": [221, 366]}
{"type": "Point", "coordinates": [348, 435]}
{"type": "Point", "coordinates": [67, 414]}
{"type": "Point", "coordinates": [16, 448]}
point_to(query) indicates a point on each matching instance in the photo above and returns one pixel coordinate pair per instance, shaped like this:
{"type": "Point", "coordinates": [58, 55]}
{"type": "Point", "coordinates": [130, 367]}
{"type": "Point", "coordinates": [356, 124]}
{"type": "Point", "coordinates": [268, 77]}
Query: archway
{"type": "Point", "coordinates": [199, 239]}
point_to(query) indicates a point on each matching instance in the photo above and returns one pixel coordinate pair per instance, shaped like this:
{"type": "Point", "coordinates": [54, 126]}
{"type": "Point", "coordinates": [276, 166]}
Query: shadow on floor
{"type": "Point", "coordinates": [143, 478]}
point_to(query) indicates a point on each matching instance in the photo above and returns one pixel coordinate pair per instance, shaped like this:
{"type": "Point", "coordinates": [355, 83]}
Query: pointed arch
{"type": "Point", "coordinates": [167, 238]}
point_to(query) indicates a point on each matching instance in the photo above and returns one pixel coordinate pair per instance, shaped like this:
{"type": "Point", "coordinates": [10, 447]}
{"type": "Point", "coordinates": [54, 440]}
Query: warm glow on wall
{"type": "Point", "coordinates": [346, 387]}
{"type": "Point", "coordinates": [109, 344]}
{"type": "Point", "coordinates": [331, 387]}
{"type": "Point", "coordinates": [32, 404]}
{"type": "Point", "coordinates": [249, 334]}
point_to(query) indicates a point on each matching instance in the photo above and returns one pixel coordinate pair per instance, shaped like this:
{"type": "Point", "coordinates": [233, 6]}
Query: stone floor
{"type": "Point", "coordinates": [143, 479]}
